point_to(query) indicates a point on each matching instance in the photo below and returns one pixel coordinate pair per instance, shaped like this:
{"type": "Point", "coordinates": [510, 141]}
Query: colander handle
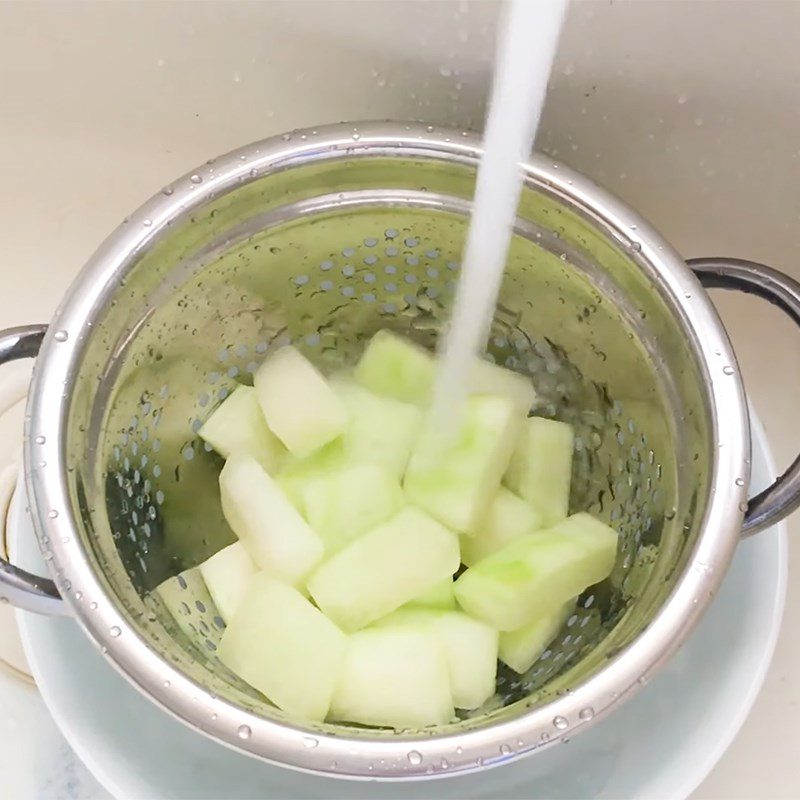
{"type": "Point", "coordinates": [783, 496]}
{"type": "Point", "coordinates": [17, 586]}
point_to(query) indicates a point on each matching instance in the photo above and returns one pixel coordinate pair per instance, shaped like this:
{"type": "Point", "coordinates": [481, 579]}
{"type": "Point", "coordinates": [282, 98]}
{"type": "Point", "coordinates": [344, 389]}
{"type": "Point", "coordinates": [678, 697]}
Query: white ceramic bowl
{"type": "Point", "coordinates": [661, 744]}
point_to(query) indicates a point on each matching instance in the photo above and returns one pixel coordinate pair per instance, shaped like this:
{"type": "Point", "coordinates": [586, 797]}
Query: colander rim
{"type": "Point", "coordinates": [345, 756]}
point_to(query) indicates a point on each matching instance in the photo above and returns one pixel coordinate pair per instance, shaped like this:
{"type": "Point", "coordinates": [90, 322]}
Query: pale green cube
{"type": "Point", "coordinates": [299, 405]}
{"type": "Point", "coordinates": [394, 677]}
{"type": "Point", "coordinates": [384, 568]}
{"type": "Point", "coordinates": [470, 647]}
{"type": "Point", "coordinates": [238, 426]}
{"type": "Point", "coordinates": [488, 378]}
{"type": "Point", "coordinates": [380, 430]}
{"type": "Point", "coordinates": [342, 504]}
{"type": "Point", "coordinates": [541, 467]}
{"type": "Point", "coordinates": [537, 572]}
{"type": "Point", "coordinates": [398, 368]}
{"type": "Point", "coordinates": [280, 644]}
{"type": "Point", "coordinates": [296, 472]}
{"type": "Point", "coordinates": [274, 533]}
{"type": "Point", "coordinates": [455, 481]}
{"type": "Point", "coordinates": [508, 518]}
{"type": "Point", "coordinates": [226, 575]}
{"type": "Point", "coordinates": [440, 596]}
{"type": "Point", "coordinates": [520, 648]}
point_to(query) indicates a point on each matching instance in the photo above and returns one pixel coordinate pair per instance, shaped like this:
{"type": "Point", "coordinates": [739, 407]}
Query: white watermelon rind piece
{"type": "Point", "coordinates": [540, 469]}
{"type": "Point", "coordinates": [384, 569]}
{"type": "Point", "coordinates": [521, 648]}
{"type": "Point", "coordinates": [538, 571]}
{"type": "Point", "coordinates": [440, 596]}
{"type": "Point", "coordinates": [259, 512]}
{"type": "Point", "coordinates": [393, 677]}
{"type": "Point", "coordinates": [456, 481]}
{"type": "Point", "coordinates": [280, 644]}
{"type": "Point", "coordinates": [343, 503]}
{"type": "Point", "coordinates": [238, 426]}
{"type": "Point", "coordinates": [470, 647]}
{"type": "Point", "coordinates": [226, 574]}
{"type": "Point", "coordinates": [298, 403]}
{"type": "Point", "coordinates": [380, 430]}
{"type": "Point", "coordinates": [507, 518]}
{"type": "Point", "coordinates": [397, 367]}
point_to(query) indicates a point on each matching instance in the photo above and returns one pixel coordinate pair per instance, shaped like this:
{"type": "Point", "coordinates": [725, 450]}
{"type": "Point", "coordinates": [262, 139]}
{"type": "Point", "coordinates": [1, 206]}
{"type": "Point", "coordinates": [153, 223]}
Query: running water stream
{"type": "Point", "coordinates": [526, 46]}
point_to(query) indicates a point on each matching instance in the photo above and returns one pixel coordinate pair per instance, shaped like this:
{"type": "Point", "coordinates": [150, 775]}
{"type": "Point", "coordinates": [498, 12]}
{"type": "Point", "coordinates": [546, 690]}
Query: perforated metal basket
{"type": "Point", "coordinates": [320, 238]}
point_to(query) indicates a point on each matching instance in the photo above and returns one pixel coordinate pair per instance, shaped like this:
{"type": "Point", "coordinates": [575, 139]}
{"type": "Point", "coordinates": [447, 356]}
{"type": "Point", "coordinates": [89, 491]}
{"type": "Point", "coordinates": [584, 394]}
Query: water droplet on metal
{"type": "Point", "coordinates": [167, 191]}
{"type": "Point", "coordinates": [167, 684]}
{"type": "Point", "coordinates": [739, 481]}
{"type": "Point", "coordinates": [560, 723]}
{"type": "Point", "coordinates": [147, 223]}
{"type": "Point", "coordinates": [40, 440]}
{"type": "Point", "coordinates": [742, 507]}
{"type": "Point", "coordinates": [310, 742]}
{"type": "Point", "coordinates": [545, 737]}
{"type": "Point", "coordinates": [636, 247]}
{"type": "Point", "coordinates": [414, 758]}
{"type": "Point", "coordinates": [79, 595]}
{"type": "Point", "coordinates": [93, 606]}
{"type": "Point", "coordinates": [728, 370]}
{"type": "Point", "coordinates": [114, 631]}
{"type": "Point", "coordinates": [586, 713]}
{"type": "Point", "coordinates": [356, 137]}
{"type": "Point", "coordinates": [196, 179]}
{"type": "Point", "coordinates": [61, 336]}
{"type": "Point", "coordinates": [52, 513]}
{"type": "Point", "coordinates": [459, 750]}
{"type": "Point", "coordinates": [505, 750]}
{"type": "Point", "coordinates": [244, 732]}
{"type": "Point", "coordinates": [286, 137]}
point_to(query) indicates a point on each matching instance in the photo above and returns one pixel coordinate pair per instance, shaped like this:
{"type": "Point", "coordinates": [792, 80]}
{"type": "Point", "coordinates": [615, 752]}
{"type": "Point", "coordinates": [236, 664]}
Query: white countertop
{"type": "Point", "coordinates": [688, 110]}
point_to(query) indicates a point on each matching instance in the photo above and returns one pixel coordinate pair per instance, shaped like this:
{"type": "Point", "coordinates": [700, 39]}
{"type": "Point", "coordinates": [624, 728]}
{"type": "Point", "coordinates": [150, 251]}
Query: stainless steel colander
{"type": "Point", "coordinates": [320, 238]}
